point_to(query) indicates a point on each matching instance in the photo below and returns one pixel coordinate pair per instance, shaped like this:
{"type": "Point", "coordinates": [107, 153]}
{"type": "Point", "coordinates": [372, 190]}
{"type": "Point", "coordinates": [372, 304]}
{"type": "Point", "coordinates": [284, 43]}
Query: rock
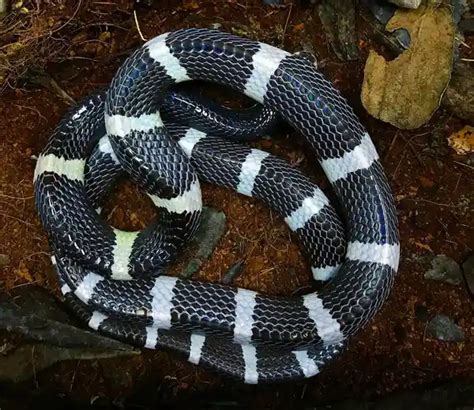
{"type": "Point", "coordinates": [459, 8]}
{"type": "Point", "coordinates": [234, 271]}
{"type": "Point", "coordinates": [25, 361]}
{"type": "Point", "coordinates": [467, 25]}
{"type": "Point", "coordinates": [383, 12]}
{"type": "Point", "coordinates": [391, 91]}
{"type": "Point", "coordinates": [458, 96]}
{"type": "Point", "coordinates": [408, 4]}
{"type": "Point", "coordinates": [468, 273]}
{"type": "Point", "coordinates": [338, 18]}
{"type": "Point", "coordinates": [47, 336]}
{"type": "Point", "coordinates": [445, 269]}
{"type": "Point", "coordinates": [205, 239]}
{"type": "Point", "coordinates": [443, 328]}
{"type": "Point", "coordinates": [4, 260]}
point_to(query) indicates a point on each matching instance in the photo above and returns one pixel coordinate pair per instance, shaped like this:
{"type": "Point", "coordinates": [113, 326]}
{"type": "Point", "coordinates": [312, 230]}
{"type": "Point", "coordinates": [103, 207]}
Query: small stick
{"type": "Point", "coordinates": [286, 23]}
{"type": "Point", "coordinates": [138, 26]}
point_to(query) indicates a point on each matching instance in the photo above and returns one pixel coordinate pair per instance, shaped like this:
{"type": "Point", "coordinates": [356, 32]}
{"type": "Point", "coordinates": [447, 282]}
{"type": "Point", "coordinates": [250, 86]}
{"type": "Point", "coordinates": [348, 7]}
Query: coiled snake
{"type": "Point", "coordinates": [114, 280]}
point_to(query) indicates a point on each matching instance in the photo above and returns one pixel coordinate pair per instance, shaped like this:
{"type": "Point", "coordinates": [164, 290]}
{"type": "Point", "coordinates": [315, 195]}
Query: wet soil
{"type": "Point", "coordinates": [433, 189]}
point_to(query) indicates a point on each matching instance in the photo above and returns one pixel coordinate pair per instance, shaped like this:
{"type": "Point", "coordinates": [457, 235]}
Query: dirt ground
{"type": "Point", "coordinates": [432, 186]}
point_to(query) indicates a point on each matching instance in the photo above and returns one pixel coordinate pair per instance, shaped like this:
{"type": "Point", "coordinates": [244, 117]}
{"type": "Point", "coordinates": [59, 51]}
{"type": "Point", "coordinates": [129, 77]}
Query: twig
{"type": "Point", "coordinates": [138, 26]}
{"type": "Point", "coordinates": [399, 163]}
{"type": "Point", "coordinates": [25, 284]}
{"type": "Point", "coordinates": [286, 23]}
{"type": "Point", "coordinates": [457, 183]}
{"type": "Point", "coordinates": [16, 219]}
{"type": "Point", "coordinates": [16, 197]}
{"type": "Point", "coordinates": [55, 86]}
{"type": "Point", "coordinates": [464, 165]}
{"type": "Point", "coordinates": [413, 150]}
{"type": "Point", "coordinates": [431, 202]}
{"type": "Point", "coordinates": [32, 109]}
{"type": "Point", "coordinates": [395, 137]}
{"type": "Point", "coordinates": [74, 376]}
{"type": "Point", "coordinates": [34, 366]}
{"type": "Point", "coordinates": [79, 4]}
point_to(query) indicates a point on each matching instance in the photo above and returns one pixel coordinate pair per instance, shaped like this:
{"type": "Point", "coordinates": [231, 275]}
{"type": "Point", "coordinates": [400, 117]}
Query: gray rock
{"type": "Point", "coordinates": [443, 328]}
{"type": "Point", "coordinates": [458, 96]}
{"type": "Point", "coordinates": [205, 239]}
{"type": "Point", "coordinates": [338, 18]}
{"type": "Point", "coordinates": [398, 40]}
{"type": "Point", "coordinates": [234, 271]}
{"type": "Point", "coordinates": [26, 360]}
{"type": "Point", "coordinates": [47, 336]}
{"type": "Point", "coordinates": [445, 269]}
{"type": "Point", "coordinates": [382, 11]}
{"type": "Point", "coordinates": [468, 273]}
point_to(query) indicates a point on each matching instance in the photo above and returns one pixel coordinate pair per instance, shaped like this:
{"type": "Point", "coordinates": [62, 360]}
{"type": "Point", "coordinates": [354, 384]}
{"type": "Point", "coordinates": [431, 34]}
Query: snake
{"type": "Point", "coordinates": [116, 281]}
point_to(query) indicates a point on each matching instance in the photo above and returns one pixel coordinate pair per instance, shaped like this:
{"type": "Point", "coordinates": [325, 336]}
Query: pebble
{"type": "Point", "coordinates": [234, 271]}
{"type": "Point", "coordinates": [445, 269]}
{"type": "Point", "coordinates": [468, 272]}
{"type": "Point", "coordinates": [443, 328]}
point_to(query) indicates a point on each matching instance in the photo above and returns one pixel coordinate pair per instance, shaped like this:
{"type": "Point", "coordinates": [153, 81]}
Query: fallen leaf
{"type": "Point", "coordinates": [462, 141]}
{"type": "Point", "coordinates": [190, 4]}
{"type": "Point", "coordinates": [298, 27]}
{"type": "Point", "coordinates": [23, 272]}
{"type": "Point", "coordinates": [407, 90]}
{"type": "Point", "coordinates": [104, 36]}
{"type": "Point", "coordinates": [423, 246]}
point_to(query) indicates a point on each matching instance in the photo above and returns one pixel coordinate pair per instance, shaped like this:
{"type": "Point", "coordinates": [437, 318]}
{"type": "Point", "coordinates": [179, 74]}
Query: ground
{"type": "Point", "coordinates": [433, 189]}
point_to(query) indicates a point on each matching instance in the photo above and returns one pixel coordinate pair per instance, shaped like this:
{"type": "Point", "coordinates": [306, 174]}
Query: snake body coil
{"type": "Point", "coordinates": [113, 279]}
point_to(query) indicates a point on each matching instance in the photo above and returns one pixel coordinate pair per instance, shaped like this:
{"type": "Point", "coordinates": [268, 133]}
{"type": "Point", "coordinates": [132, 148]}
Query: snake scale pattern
{"type": "Point", "coordinates": [115, 280]}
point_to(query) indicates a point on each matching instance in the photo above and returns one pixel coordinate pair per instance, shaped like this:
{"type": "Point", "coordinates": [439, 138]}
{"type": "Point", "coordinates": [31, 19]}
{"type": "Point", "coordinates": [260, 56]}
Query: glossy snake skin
{"type": "Point", "coordinates": [116, 281]}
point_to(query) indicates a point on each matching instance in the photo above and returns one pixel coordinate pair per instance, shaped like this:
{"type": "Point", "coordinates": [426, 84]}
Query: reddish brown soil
{"type": "Point", "coordinates": [433, 191]}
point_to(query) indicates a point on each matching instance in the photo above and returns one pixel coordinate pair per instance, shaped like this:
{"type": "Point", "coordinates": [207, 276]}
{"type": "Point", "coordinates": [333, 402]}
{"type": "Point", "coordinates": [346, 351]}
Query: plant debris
{"type": "Point", "coordinates": [462, 141]}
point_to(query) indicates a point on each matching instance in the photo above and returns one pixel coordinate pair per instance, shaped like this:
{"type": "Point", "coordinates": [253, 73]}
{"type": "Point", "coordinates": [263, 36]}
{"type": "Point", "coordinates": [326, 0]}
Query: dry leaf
{"type": "Point", "coordinates": [462, 141]}
{"type": "Point", "coordinates": [190, 5]}
{"type": "Point", "coordinates": [406, 91]}
{"type": "Point", "coordinates": [423, 246]}
{"type": "Point", "coordinates": [298, 27]}
{"type": "Point", "coordinates": [23, 272]}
